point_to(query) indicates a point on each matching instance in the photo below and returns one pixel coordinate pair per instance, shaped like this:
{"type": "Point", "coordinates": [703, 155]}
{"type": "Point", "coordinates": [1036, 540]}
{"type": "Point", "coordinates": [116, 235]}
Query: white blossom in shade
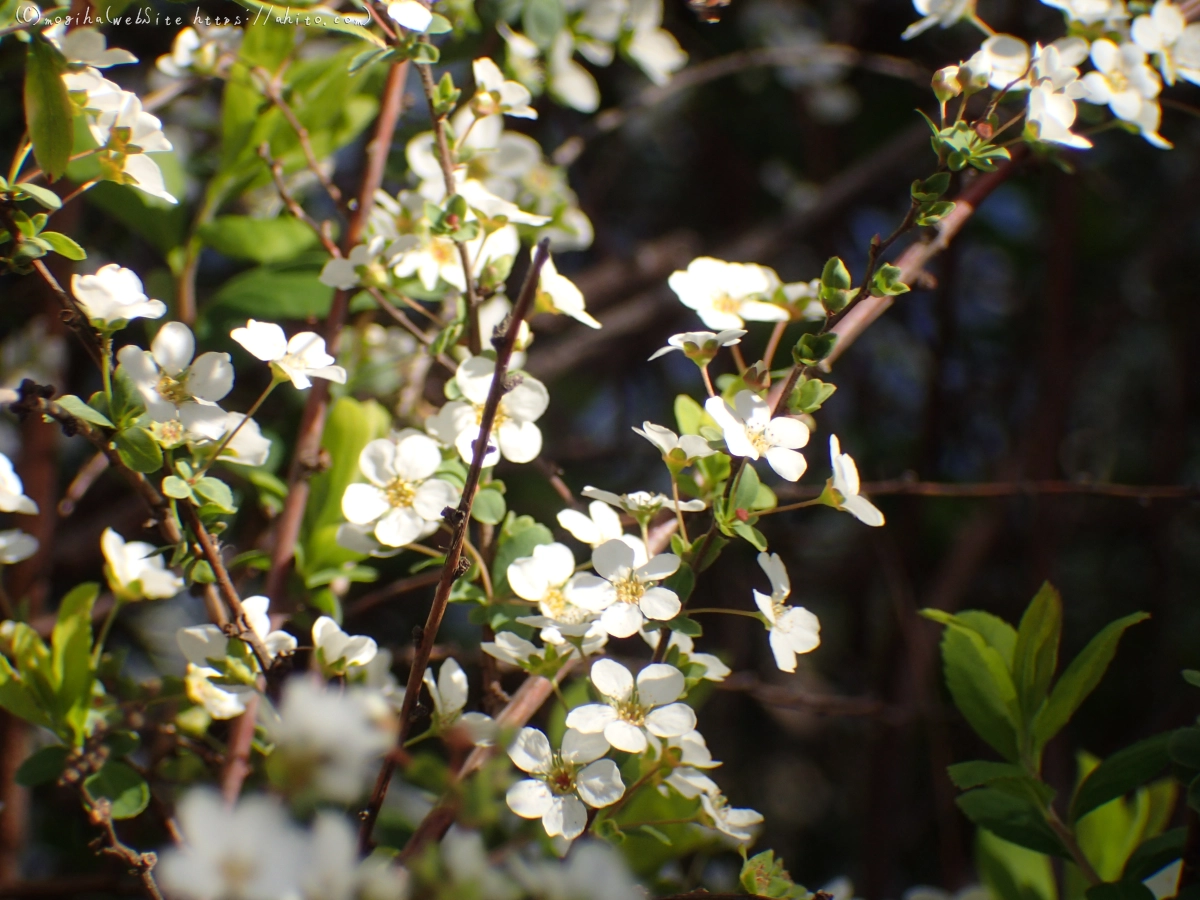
{"type": "Point", "coordinates": [203, 645]}
{"type": "Point", "coordinates": [250, 851]}
{"type": "Point", "coordinates": [938, 12]}
{"type": "Point", "coordinates": [592, 871]}
{"type": "Point", "coordinates": [299, 359]}
{"type": "Point", "coordinates": [1002, 62]}
{"type": "Point", "coordinates": [640, 503]}
{"type": "Point", "coordinates": [1175, 45]}
{"type": "Point", "coordinates": [203, 50]}
{"type": "Point", "coordinates": [174, 386]}
{"type": "Point", "coordinates": [737, 823]}
{"type": "Point", "coordinates": [449, 694]}
{"type": "Point", "coordinates": [1055, 88]}
{"type": "Point", "coordinates": [496, 94]}
{"type": "Point", "coordinates": [88, 47]}
{"type": "Point", "coordinates": [402, 498]}
{"type": "Point", "coordinates": [493, 315]}
{"type": "Point", "coordinates": [436, 257]}
{"type": "Point", "coordinates": [469, 872]}
{"type": "Point", "coordinates": [411, 14]}
{"type": "Point", "coordinates": [633, 713]}
{"type": "Point", "coordinates": [342, 272]}
{"type": "Point", "coordinates": [1125, 83]}
{"type": "Point", "coordinates": [624, 589]}
{"type": "Point", "coordinates": [1091, 12]}
{"type": "Point", "coordinates": [690, 782]}
{"type": "Point", "coordinates": [558, 294]}
{"type": "Point", "coordinates": [16, 545]}
{"type": "Point", "coordinates": [220, 701]}
{"type": "Point", "coordinates": [601, 524]}
{"type": "Point", "coordinates": [337, 651]}
{"type": "Point", "coordinates": [750, 431]}
{"type": "Point", "coordinates": [136, 570]}
{"type": "Point", "coordinates": [569, 82]}
{"type": "Point", "coordinates": [693, 750]}
{"type": "Point", "coordinates": [333, 871]}
{"type": "Point", "coordinates": [542, 578]}
{"type": "Point", "coordinates": [793, 629]}
{"type": "Point", "coordinates": [703, 344]}
{"type": "Point", "coordinates": [562, 782]}
{"type": "Point", "coordinates": [726, 295]}
{"type": "Point", "coordinates": [113, 296]}
{"type": "Point", "coordinates": [328, 741]}
{"type": "Point", "coordinates": [12, 491]}
{"type": "Point", "coordinates": [589, 635]}
{"type": "Point", "coordinates": [247, 447]}
{"type": "Point", "coordinates": [511, 648]}
{"type": "Point", "coordinates": [652, 47]}
{"type": "Point", "coordinates": [147, 177]}
{"type": "Point", "coordinates": [514, 434]}
{"type": "Point", "coordinates": [714, 669]}
{"type": "Point", "coordinates": [674, 448]}
{"type": "Point", "coordinates": [846, 483]}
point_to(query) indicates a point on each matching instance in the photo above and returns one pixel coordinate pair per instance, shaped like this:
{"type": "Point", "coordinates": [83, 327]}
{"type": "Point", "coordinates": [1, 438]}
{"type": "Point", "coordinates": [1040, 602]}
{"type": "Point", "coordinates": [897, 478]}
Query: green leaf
{"type": "Point", "coordinates": [1080, 679]}
{"type": "Point", "coordinates": [139, 450]}
{"type": "Point", "coordinates": [44, 196]}
{"type": "Point", "coordinates": [71, 649]}
{"type": "Point", "coordinates": [747, 488]}
{"type": "Point", "coordinates": [121, 786]}
{"type": "Point", "coordinates": [1192, 677]}
{"type": "Point", "coordinates": [933, 213]}
{"type": "Point", "coordinates": [1000, 636]}
{"type": "Point", "coordinates": [43, 766]}
{"type": "Point", "coordinates": [1124, 771]}
{"type": "Point", "coordinates": [1011, 872]}
{"type": "Point", "coordinates": [1184, 747]}
{"type": "Point", "coordinates": [980, 772]}
{"type": "Point", "coordinates": [931, 188]}
{"type": "Point", "coordinates": [49, 115]}
{"type": "Point", "coordinates": [424, 54]}
{"type": "Point", "coordinates": [1036, 654]}
{"type": "Point", "coordinates": [273, 293]}
{"type": "Point", "coordinates": [63, 245]}
{"type": "Point", "coordinates": [750, 534]}
{"type": "Point", "coordinates": [518, 536]}
{"type": "Point", "coordinates": [812, 348]}
{"type": "Point", "coordinates": [835, 274]}
{"type": "Point", "coordinates": [81, 410]}
{"type": "Point", "coordinates": [217, 492]}
{"type": "Point", "coordinates": [261, 240]}
{"type": "Point", "coordinates": [489, 507]}
{"type": "Point", "coordinates": [690, 415]}
{"type": "Point", "coordinates": [1012, 818]}
{"type": "Point", "coordinates": [682, 582]}
{"type": "Point", "coordinates": [175, 487]}
{"type": "Point", "coordinates": [1154, 854]}
{"type": "Point", "coordinates": [1121, 890]}
{"type": "Point", "coordinates": [810, 395]}
{"type": "Point", "coordinates": [686, 626]}
{"type": "Point", "coordinates": [887, 283]}
{"type": "Point", "coordinates": [542, 20]}
{"type": "Point", "coordinates": [764, 876]}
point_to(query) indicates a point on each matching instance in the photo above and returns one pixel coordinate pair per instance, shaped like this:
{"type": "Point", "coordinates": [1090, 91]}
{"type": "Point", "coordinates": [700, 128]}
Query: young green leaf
{"type": "Point", "coordinates": [1124, 771]}
{"type": "Point", "coordinates": [71, 648]}
{"type": "Point", "coordinates": [139, 450]}
{"type": "Point", "coordinates": [48, 111]}
{"type": "Point", "coordinates": [1012, 818]}
{"type": "Point", "coordinates": [121, 786]}
{"type": "Point", "coordinates": [63, 245]}
{"type": "Point", "coordinates": [1036, 654]}
{"type": "Point", "coordinates": [489, 507]}
{"type": "Point", "coordinates": [44, 766]}
{"type": "Point", "coordinates": [81, 410]}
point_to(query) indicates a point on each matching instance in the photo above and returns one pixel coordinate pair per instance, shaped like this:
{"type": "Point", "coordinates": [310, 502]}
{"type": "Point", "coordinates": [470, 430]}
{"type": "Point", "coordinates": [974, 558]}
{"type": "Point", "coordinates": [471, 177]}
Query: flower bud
{"type": "Point", "coordinates": [946, 83]}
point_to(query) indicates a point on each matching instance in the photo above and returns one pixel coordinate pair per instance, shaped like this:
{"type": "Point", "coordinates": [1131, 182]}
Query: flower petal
{"type": "Point", "coordinates": [600, 784]}
{"type": "Point", "coordinates": [613, 560]}
{"type": "Point", "coordinates": [622, 620]}
{"type": "Point", "coordinates": [530, 751]}
{"type": "Point", "coordinates": [671, 721]}
{"type": "Point", "coordinates": [625, 736]}
{"type": "Point", "coordinates": [660, 603]}
{"type": "Point", "coordinates": [591, 718]}
{"type": "Point", "coordinates": [211, 376]}
{"type": "Point", "coordinates": [173, 347]}
{"type": "Point", "coordinates": [580, 748]}
{"type": "Point", "coordinates": [613, 680]}
{"type": "Point", "coordinates": [399, 527]}
{"type": "Point", "coordinates": [660, 683]}
{"type": "Point", "coordinates": [364, 503]}
{"type": "Point", "coordinates": [529, 799]}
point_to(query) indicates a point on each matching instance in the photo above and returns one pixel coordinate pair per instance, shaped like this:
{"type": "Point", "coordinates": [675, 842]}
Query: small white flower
{"type": "Point", "coordinates": [402, 498]}
{"type": "Point", "coordinates": [1167, 36]}
{"type": "Point", "coordinates": [173, 386]}
{"type": "Point", "coordinates": [601, 524]}
{"type": "Point", "coordinates": [1124, 82]}
{"type": "Point", "coordinates": [205, 645]}
{"type": "Point", "coordinates": [675, 449]}
{"type": "Point", "coordinates": [113, 296]}
{"type": "Point", "coordinates": [136, 570]}
{"type": "Point", "coordinates": [726, 295]}
{"type": "Point", "coordinates": [569, 82]}
{"type": "Point", "coordinates": [411, 14]}
{"type": "Point", "coordinates": [542, 579]}
{"type": "Point", "coordinates": [299, 359]}
{"type": "Point", "coordinates": [130, 132]}
{"type": "Point", "coordinates": [251, 850]}
{"type": "Point", "coordinates": [1002, 62]}
{"type": "Point", "coordinates": [1055, 88]}
{"type": "Point", "coordinates": [562, 782]}
{"type": "Point", "coordinates": [89, 46]}
{"type": "Point", "coordinates": [690, 783]}
{"type": "Point", "coordinates": [220, 701]}
{"type": "Point", "coordinates": [737, 823]}
{"type": "Point", "coordinates": [337, 651]}
{"type": "Point", "coordinates": [701, 346]}
{"type": "Point", "coordinates": [656, 52]}
{"type": "Point", "coordinates": [624, 589]}
{"type": "Point", "coordinates": [512, 649]}
{"type": "Point", "coordinates": [16, 545]}
{"type": "Point", "coordinates": [203, 50]}
{"type": "Point", "coordinates": [750, 431]}
{"type": "Point", "coordinates": [846, 483]}
{"type": "Point", "coordinates": [12, 491]}
{"type": "Point", "coordinates": [593, 871]}
{"type": "Point", "coordinates": [1089, 12]}
{"type": "Point", "coordinates": [714, 669]}
{"type": "Point", "coordinates": [449, 694]}
{"type": "Point", "coordinates": [332, 869]}
{"type": "Point", "coordinates": [632, 715]}
{"type": "Point", "coordinates": [495, 94]}
{"type": "Point", "coordinates": [793, 628]}
{"type": "Point", "coordinates": [558, 294]}
{"type": "Point", "coordinates": [640, 504]}
{"type": "Point", "coordinates": [693, 750]}
{"type": "Point", "coordinates": [514, 434]}
{"type": "Point", "coordinates": [328, 741]}
{"type": "Point", "coordinates": [342, 272]}
{"type": "Point", "coordinates": [246, 448]}
{"type": "Point", "coordinates": [938, 12]}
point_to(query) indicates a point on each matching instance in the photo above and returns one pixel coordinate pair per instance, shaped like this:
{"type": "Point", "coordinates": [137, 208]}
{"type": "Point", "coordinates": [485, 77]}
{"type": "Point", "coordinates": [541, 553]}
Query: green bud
{"type": "Point", "coordinates": [835, 274]}
{"type": "Point", "coordinates": [946, 84]}
{"type": "Point", "coordinates": [931, 188]}
{"type": "Point", "coordinates": [887, 283]}
{"type": "Point", "coordinates": [812, 348]}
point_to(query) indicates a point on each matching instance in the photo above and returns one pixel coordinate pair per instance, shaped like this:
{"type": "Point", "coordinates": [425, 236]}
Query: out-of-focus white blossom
{"type": "Point", "coordinates": [737, 823]}
{"type": "Point", "coordinates": [558, 294]}
{"type": "Point", "coordinates": [938, 12]}
{"type": "Point", "coordinates": [495, 94]}
{"type": "Point", "coordinates": [846, 483]}
{"type": "Point", "coordinates": [16, 545]}
{"type": "Point", "coordinates": [411, 14]}
{"type": "Point", "coordinates": [1175, 45]}
{"type": "Point", "coordinates": [88, 47]}
{"type": "Point", "coordinates": [1125, 83]}
{"type": "Point", "coordinates": [136, 570]}
{"type": "Point", "coordinates": [1090, 12]}
{"type": "Point", "coordinates": [201, 50]}
{"type": "Point", "coordinates": [12, 491]}
{"type": "Point", "coordinates": [338, 652]}
{"type": "Point", "coordinates": [449, 694]}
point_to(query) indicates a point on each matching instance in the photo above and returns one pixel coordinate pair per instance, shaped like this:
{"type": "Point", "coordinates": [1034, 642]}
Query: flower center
{"type": "Point", "coordinates": [632, 712]}
{"type": "Point", "coordinates": [400, 493]}
{"type": "Point", "coordinates": [555, 605]}
{"type": "Point", "coordinates": [725, 304]}
{"type": "Point", "coordinates": [1118, 81]}
{"type": "Point", "coordinates": [170, 389]}
{"type": "Point", "coordinates": [236, 871]}
{"type": "Point", "coordinates": [442, 251]}
{"type": "Point", "coordinates": [501, 416]}
{"type": "Point", "coordinates": [561, 778]}
{"type": "Point", "coordinates": [758, 439]}
{"type": "Point", "coordinates": [629, 590]}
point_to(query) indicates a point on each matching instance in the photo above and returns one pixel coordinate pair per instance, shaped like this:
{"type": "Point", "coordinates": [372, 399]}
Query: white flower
{"type": "Point", "coordinates": [1166, 35]}
{"type": "Point", "coordinates": [174, 387]}
{"type": "Point", "coordinates": [693, 750]}
{"type": "Point", "coordinates": [16, 545]}
{"type": "Point", "coordinates": [601, 524]}
{"type": "Point", "coordinates": [113, 296]}
{"type": "Point", "coordinates": [220, 701]}
{"type": "Point", "coordinates": [136, 570]}
{"type": "Point", "coordinates": [402, 499]}
{"type": "Point", "coordinates": [12, 491]}
{"type": "Point", "coordinates": [558, 294]}
{"type": "Point", "coordinates": [727, 295]}
{"type": "Point", "coordinates": [592, 871]}
{"type": "Point", "coordinates": [542, 579]}
{"type": "Point", "coordinates": [333, 871]}
{"type": "Point", "coordinates": [750, 431]}
{"type": "Point", "coordinates": [342, 272]}
{"type": "Point", "coordinates": [494, 94]}
{"type": "Point", "coordinates": [714, 669]}
{"type": "Point", "coordinates": [204, 645]}
{"type": "Point", "coordinates": [737, 823]}
{"type": "Point", "coordinates": [250, 851]}
{"type": "Point", "coordinates": [246, 448]}
{"type": "Point", "coordinates": [640, 504]}
{"type": "Point", "coordinates": [632, 715]}
{"type": "Point", "coordinates": [511, 648]}
{"type": "Point", "coordinates": [1124, 82]}
{"type": "Point", "coordinates": [89, 46]}
{"type": "Point", "coordinates": [569, 82]}
{"type": "Point", "coordinates": [938, 12]}
{"type": "Point", "coordinates": [125, 128]}
{"type": "Point", "coordinates": [412, 14]}
{"type": "Point", "coordinates": [793, 628]}
{"type": "Point", "coordinates": [204, 50]}
{"type": "Point", "coordinates": [299, 359]}
{"type": "Point", "coordinates": [624, 589]}
{"type": "Point", "coordinates": [655, 50]}
{"type": "Point", "coordinates": [845, 482]}
{"type": "Point", "coordinates": [1055, 88]}
{"type": "Point", "coordinates": [337, 651]}
{"type": "Point", "coordinates": [703, 344]}
{"type": "Point", "coordinates": [514, 433]}
{"type": "Point", "coordinates": [690, 783]}
{"type": "Point", "coordinates": [675, 449]}
{"type": "Point", "coordinates": [328, 741]}
{"type": "Point", "coordinates": [449, 694]}
{"type": "Point", "coordinates": [1089, 12]}
{"type": "Point", "coordinates": [562, 782]}
{"type": "Point", "coordinates": [1002, 62]}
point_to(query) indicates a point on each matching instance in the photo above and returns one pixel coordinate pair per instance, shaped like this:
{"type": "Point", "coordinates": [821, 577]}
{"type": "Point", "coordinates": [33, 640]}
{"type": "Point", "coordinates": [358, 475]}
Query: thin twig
{"type": "Point", "coordinates": [237, 754]}
{"type": "Point", "coordinates": [460, 519]}
{"type": "Point", "coordinates": [293, 205]}
{"type": "Point", "coordinates": [273, 88]}
{"type": "Point", "coordinates": [81, 483]}
{"type": "Point", "coordinates": [140, 864]}
{"type": "Point", "coordinates": [1001, 489]}
{"type": "Point", "coordinates": [395, 589]}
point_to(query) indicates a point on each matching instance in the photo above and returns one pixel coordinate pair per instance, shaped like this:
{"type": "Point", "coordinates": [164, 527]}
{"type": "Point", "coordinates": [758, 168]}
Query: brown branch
{"type": "Point", "coordinates": [237, 753]}
{"type": "Point", "coordinates": [395, 589]}
{"type": "Point", "coordinates": [459, 520]}
{"type": "Point", "coordinates": [140, 864]}
{"type": "Point", "coordinates": [1001, 489]}
{"type": "Point", "coordinates": [273, 88]}
{"type": "Point", "coordinates": [81, 483]}
{"type": "Point", "coordinates": [76, 318]}
{"type": "Point", "coordinates": [293, 205]}
{"type": "Point", "coordinates": [796, 698]}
